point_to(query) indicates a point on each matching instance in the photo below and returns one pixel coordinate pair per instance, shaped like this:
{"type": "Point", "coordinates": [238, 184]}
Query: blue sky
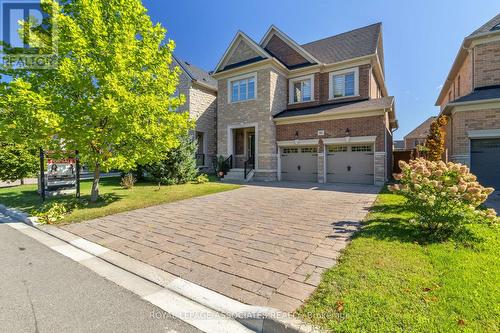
{"type": "Point", "coordinates": [421, 38]}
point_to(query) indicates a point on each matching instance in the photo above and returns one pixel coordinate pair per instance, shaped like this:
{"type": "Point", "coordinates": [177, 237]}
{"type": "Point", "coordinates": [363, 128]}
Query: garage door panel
{"type": "Point", "coordinates": [350, 164]}
{"type": "Point", "coordinates": [485, 161]}
{"type": "Point", "coordinates": [299, 164]}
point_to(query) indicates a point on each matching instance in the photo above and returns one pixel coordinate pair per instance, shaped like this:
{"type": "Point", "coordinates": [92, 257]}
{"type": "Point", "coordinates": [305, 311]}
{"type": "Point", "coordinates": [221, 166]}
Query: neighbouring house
{"type": "Point", "coordinates": [398, 145]}
{"type": "Point", "coordinates": [471, 98]}
{"type": "Point", "coordinates": [316, 112]}
{"type": "Point", "coordinates": [418, 135]}
{"type": "Point", "coordinates": [200, 90]}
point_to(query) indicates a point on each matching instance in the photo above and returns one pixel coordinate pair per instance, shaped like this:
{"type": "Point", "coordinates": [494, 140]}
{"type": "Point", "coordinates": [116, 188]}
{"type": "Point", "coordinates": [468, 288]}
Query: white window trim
{"type": "Point", "coordinates": [296, 79]}
{"type": "Point", "coordinates": [238, 78]}
{"type": "Point", "coordinates": [344, 71]}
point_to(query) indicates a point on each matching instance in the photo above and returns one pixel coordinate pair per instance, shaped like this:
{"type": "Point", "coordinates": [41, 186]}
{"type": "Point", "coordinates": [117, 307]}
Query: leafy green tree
{"type": "Point", "coordinates": [111, 95]}
{"type": "Point", "coordinates": [178, 165]}
{"type": "Point", "coordinates": [17, 162]}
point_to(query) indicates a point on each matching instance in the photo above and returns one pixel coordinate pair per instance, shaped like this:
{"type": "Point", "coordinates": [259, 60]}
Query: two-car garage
{"type": "Point", "coordinates": [344, 163]}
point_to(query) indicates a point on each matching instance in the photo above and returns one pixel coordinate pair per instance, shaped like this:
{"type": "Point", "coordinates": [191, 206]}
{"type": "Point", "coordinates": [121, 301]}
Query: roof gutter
{"type": "Point", "coordinates": [205, 85]}
{"type": "Point", "coordinates": [450, 106]}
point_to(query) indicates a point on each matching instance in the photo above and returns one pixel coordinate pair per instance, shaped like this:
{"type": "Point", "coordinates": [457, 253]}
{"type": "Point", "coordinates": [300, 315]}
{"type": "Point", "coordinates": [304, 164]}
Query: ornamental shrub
{"type": "Point", "coordinates": [178, 165]}
{"type": "Point", "coordinates": [444, 196]}
{"type": "Point", "coordinates": [128, 181]}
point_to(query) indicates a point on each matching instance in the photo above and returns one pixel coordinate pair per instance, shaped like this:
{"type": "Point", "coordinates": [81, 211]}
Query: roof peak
{"type": "Point", "coordinates": [488, 26]}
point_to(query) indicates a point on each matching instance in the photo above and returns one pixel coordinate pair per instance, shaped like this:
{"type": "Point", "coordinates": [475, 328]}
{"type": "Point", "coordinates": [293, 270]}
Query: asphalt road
{"type": "Point", "coordinates": [43, 291]}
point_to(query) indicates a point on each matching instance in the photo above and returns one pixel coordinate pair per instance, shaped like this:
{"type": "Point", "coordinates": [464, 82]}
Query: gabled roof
{"type": "Point", "coordinates": [196, 74]}
{"type": "Point", "coordinates": [345, 46]}
{"type": "Point", "coordinates": [422, 130]}
{"type": "Point", "coordinates": [273, 30]}
{"type": "Point", "coordinates": [348, 45]}
{"type": "Point", "coordinates": [240, 35]}
{"type": "Point", "coordinates": [489, 28]}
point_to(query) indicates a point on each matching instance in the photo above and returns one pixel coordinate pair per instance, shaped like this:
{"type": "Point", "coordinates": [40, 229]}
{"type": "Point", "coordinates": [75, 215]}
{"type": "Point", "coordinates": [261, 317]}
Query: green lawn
{"type": "Point", "coordinates": [390, 280]}
{"type": "Point", "coordinates": [114, 198]}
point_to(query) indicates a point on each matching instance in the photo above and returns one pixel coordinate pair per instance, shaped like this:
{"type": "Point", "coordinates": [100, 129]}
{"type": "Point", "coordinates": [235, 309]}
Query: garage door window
{"type": "Point", "coordinates": [485, 144]}
{"type": "Point", "coordinates": [309, 150]}
{"type": "Point", "coordinates": [290, 150]}
{"type": "Point", "coordinates": [337, 149]}
{"type": "Point", "coordinates": [361, 148]}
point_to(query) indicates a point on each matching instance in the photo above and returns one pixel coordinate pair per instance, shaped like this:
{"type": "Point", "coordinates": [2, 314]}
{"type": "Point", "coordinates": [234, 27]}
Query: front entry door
{"type": "Point", "coordinates": [251, 146]}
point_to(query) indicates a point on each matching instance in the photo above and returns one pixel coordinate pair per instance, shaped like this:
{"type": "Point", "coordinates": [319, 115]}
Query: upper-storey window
{"type": "Point", "coordinates": [344, 83]}
{"type": "Point", "coordinates": [301, 89]}
{"type": "Point", "coordinates": [242, 88]}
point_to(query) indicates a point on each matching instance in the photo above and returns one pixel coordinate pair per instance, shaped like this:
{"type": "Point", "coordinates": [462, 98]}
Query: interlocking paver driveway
{"type": "Point", "coordinates": [264, 244]}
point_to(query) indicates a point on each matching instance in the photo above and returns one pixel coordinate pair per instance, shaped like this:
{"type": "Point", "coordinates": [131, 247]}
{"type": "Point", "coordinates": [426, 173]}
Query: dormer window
{"type": "Point", "coordinates": [301, 89]}
{"type": "Point", "coordinates": [344, 83]}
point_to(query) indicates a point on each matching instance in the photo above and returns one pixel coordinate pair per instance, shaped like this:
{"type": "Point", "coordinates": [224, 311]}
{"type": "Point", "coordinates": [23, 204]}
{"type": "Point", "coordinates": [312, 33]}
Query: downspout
{"type": "Point", "coordinates": [385, 148]}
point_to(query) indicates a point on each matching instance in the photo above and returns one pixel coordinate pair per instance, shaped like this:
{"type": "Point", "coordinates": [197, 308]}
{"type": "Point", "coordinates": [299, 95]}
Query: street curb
{"type": "Point", "coordinates": [258, 319]}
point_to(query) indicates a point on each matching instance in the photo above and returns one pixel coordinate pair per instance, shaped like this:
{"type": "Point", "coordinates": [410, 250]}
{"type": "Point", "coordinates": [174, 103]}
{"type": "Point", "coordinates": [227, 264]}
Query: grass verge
{"type": "Point", "coordinates": [114, 199]}
{"type": "Point", "coordinates": [390, 279]}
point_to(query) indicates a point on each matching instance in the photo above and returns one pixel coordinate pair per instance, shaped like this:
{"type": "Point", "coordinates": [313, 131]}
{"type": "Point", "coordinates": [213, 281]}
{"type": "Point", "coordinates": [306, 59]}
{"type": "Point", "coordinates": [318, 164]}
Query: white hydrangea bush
{"type": "Point", "coordinates": [444, 196]}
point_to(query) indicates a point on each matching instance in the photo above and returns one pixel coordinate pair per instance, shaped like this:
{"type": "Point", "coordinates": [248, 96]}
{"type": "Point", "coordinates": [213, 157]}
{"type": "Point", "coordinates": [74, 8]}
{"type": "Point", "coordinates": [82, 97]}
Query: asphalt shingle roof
{"type": "Point", "coordinates": [368, 104]}
{"type": "Point", "coordinates": [198, 74]}
{"type": "Point", "coordinates": [491, 25]}
{"type": "Point", "coordinates": [348, 45]}
{"type": "Point", "coordinates": [479, 94]}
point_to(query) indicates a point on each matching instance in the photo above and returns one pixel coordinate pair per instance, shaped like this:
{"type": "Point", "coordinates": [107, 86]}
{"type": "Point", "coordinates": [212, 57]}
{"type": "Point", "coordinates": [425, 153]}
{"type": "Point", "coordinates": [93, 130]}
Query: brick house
{"type": "Point", "coordinates": [418, 135]}
{"type": "Point", "coordinates": [200, 90]}
{"type": "Point", "coordinates": [314, 112]}
{"type": "Point", "coordinates": [471, 98]}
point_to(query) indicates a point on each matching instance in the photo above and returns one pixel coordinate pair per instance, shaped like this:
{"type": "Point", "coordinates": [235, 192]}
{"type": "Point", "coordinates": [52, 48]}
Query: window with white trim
{"type": "Point", "coordinates": [344, 83]}
{"type": "Point", "coordinates": [242, 89]}
{"type": "Point", "coordinates": [301, 89]}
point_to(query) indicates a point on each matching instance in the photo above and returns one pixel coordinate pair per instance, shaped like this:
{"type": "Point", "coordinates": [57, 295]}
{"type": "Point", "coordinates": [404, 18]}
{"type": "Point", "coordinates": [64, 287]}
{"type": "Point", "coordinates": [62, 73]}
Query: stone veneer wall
{"type": "Point", "coordinates": [271, 99]}
{"type": "Point", "coordinates": [461, 123]}
{"type": "Point", "coordinates": [203, 109]}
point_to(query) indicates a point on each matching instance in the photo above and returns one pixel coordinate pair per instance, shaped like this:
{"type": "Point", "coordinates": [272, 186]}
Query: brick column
{"type": "Point", "coordinates": [321, 162]}
{"type": "Point", "coordinates": [380, 174]}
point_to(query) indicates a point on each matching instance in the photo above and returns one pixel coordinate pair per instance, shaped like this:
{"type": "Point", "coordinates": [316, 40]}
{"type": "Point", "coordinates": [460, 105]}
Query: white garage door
{"type": "Point", "coordinates": [299, 164]}
{"type": "Point", "coordinates": [350, 164]}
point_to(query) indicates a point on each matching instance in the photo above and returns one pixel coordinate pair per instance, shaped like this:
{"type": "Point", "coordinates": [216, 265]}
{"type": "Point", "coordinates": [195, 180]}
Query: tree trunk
{"type": "Point", "coordinates": [22, 181]}
{"type": "Point", "coordinates": [95, 184]}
